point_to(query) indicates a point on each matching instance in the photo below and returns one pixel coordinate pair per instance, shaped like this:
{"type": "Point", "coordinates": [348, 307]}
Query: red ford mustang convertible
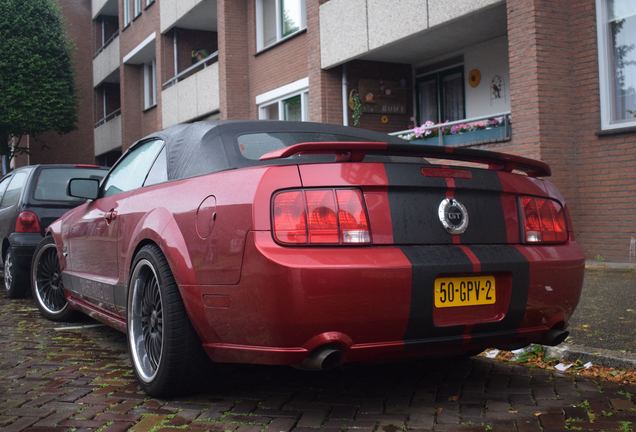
{"type": "Point", "coordinates": [310, 245]}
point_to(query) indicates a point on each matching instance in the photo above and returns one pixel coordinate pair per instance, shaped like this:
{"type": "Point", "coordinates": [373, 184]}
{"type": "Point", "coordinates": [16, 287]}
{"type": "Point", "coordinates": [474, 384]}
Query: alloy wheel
{"type": "Point", "coordinates": [145, 320]}
{"type": "Point", "coordinates": [8, 271]}
{"type": "Point", "coordinates": [48, 280]}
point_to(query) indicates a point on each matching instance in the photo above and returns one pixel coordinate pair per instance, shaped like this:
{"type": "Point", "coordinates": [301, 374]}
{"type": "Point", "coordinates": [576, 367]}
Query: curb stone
{"type": "Point", "coordinates": [597, 356]}
{"type": "Point", "coordinates": [610, 266]}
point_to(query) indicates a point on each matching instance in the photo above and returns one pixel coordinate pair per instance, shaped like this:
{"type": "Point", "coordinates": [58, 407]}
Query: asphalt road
{"type": "Point", "coordinates": [606, 315]}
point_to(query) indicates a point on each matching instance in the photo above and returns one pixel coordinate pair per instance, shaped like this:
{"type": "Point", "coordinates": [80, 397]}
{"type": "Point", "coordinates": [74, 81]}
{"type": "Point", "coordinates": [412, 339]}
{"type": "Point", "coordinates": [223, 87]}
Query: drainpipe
{"type": "Point", "coordinates": [345, 97]}
{"type": "Point", "coordinates": [175, 53]}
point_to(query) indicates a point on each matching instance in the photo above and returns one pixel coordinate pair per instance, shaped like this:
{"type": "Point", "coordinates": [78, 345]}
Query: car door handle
{"type": "Point", "coordinates": [110, 215]}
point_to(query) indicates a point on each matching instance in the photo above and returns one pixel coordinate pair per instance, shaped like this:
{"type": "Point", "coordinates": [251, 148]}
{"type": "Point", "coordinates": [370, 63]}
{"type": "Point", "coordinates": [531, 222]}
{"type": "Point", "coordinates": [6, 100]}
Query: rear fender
{"type": "Point", "coordinates": [160, 227]}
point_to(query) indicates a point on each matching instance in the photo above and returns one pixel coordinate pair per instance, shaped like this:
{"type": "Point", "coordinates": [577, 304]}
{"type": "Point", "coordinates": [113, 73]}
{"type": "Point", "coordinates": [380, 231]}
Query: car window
{"type": "Point", "coordinates": [159, 171]}
{"type": "Point", "coordinates": [130, 172]}
{"type": "Point", "coordinates": [14, 190]}
{"type": "Point", "coordinates": [254, 145]}
{"type": "Point", "coordinates": [3, 186]}
{"type": "Point", "coordinates": [51, 183]}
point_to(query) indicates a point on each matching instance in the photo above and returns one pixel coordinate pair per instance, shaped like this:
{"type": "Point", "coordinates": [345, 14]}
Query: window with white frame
{"type": "Point", "coordinates": [278, 19]}
{"type": "Point", "coordinates": [289, 102]}
{"type": "Point", "coordinates": [149, 2]}
{"type": "Point", "coordinates": [137, 10]}
{"type": "Point", "coordinates": [126, 7]}
{"type": "Point", "coordinates": [150, 84]}
{"type": "Point", "coordinates": [616, 20]}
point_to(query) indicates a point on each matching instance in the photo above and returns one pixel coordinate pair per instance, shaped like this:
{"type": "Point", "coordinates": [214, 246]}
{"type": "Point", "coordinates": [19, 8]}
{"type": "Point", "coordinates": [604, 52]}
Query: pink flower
{"type": "Point", "coordinates": [418, 132]}
{"type": "Point", "coordinates": [428, 124]}
{"type": "Point", "coordinates": [455, 129]}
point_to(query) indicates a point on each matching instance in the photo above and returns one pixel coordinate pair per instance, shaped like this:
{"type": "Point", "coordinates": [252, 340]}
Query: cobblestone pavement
{"type": "Point", "coordinates": [76, 380]}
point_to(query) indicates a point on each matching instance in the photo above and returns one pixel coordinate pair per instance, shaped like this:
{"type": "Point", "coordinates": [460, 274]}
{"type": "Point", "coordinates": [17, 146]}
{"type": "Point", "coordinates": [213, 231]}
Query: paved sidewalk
{"type": "Point", "coordinates": [79, 380]}
{"type": "Point", "coordinates": [606, 315]}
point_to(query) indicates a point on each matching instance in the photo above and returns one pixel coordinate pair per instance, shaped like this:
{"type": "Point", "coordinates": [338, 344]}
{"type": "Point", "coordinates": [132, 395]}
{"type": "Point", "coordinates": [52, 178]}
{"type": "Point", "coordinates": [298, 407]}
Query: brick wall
{"type": "Point", "coordinates": [233, 59]}
{"type": "Point", "coordinates": [325, 87]}
{"type": "Point", "coordinates": [76, 146]}
{"type": "Point", "coordinates": [247, 73]}
{"type": "Point", "coordinates": [556, 117]}
{"type": "Point", "coordinates": [275, 66]}
{"type": "Point", "coordinates": [605, 212]}
{"type": "Point", "coordinates": [136, 123]}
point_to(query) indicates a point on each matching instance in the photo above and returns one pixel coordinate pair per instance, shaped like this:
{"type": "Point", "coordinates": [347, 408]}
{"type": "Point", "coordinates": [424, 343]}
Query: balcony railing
{"type": "Point", "coordinates": [107, 133]}
{"type": "Point", "coordinates": [106, 43]}
{"type": "Point", "coordinates": [108, 118]}
{"type": "Point", "coordinates": [200, 65]}
{"type": "Point", "coordinates": [459, 133]}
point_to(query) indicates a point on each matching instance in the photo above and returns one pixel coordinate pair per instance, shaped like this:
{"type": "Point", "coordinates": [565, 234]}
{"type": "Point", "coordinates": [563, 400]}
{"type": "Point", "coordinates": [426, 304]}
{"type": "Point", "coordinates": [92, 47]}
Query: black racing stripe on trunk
{"type": "Point", "coordinates": [486, 218]}
{"type": "Point", "coordinates": [414, 216]}
{"type": "Point", "coordinates": [506, 259]}
{"type": "Point", "coordinates": [484, 208]}
{"type": "Point", "coordinates": [429, 262]}
{"type": "Point", "coordinates": [414, 199]}
{"type": "Point", "coordinates": [483, 179]}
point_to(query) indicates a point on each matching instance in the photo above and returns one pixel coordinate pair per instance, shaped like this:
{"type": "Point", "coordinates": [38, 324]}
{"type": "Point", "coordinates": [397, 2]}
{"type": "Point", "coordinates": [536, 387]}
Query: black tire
{"type": "Point", "coordinates": [46, 283]}
{"type": "Point", "coordinates": [15, 278]}
{"type": "Point", "coordinates": [164, 349]}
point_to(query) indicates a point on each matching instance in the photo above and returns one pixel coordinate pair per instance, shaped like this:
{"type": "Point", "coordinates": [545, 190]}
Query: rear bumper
{"type": "Point", "coordinates": [376, 303]}
{"type": "Point", "coordinates": [23, 247]}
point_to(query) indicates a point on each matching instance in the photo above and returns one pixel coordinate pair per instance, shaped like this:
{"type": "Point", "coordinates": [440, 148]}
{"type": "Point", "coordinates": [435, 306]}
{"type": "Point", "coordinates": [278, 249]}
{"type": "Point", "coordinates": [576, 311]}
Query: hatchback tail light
{"type": "Point", "coordinates": [27, 222]}
{"type": "Point", "coordinates": [544, 221]}
{"type": "Point", "coordinates": [320, 216]}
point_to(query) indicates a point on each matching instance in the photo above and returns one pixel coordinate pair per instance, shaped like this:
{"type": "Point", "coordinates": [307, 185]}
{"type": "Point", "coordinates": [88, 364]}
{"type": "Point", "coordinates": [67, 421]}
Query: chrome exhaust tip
{"type": "Point", "coordinates": [323, 358]}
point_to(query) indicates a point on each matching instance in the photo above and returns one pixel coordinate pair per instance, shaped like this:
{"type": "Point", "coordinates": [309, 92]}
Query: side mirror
{"type": "Point", "coordinates": [83, 188]}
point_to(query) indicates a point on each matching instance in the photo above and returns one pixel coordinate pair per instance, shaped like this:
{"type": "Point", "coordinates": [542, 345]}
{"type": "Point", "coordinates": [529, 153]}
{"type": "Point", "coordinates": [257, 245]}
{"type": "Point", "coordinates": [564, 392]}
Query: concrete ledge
{"type": "Point", "coordinates": [597, 356]}
{"type": "Point", "coordinates": [610, 266]}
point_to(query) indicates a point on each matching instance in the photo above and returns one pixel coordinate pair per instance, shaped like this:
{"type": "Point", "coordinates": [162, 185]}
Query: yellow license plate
{"type": "Point", "coordinates": [464, 291]}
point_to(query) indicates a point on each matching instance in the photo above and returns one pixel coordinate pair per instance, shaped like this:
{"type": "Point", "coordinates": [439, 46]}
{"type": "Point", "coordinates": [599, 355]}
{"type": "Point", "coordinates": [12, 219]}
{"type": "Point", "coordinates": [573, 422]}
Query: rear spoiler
{"type": "Point", "coordinates": [354, 151]}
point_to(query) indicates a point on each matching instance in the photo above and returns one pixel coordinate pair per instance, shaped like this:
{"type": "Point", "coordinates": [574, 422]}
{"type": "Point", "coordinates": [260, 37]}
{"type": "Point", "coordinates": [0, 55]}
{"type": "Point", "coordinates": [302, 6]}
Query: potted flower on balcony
{"type": "Point", "coordinates": [477, 132]}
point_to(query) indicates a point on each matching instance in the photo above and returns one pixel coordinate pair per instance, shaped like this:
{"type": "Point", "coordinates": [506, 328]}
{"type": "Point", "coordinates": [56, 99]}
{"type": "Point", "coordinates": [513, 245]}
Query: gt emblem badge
{"type": "Point", "coordinates": [453, 216]}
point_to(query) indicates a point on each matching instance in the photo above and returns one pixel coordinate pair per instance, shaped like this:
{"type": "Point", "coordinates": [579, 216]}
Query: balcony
{"type": "Point", "coordinates": [377, 33]}
{"type": "Point", "coordinates": [191, 14]}
{"type": "Point", "coordinates": [106, 61]}
{"type": "Point", "coordinates": [192, 93]}
{"type": "Point", "coordinates": [104, 7]}
{"type": "Point", "coordinates": [108, 133]}
{"type": "Point", "coordinates": [461, 133]}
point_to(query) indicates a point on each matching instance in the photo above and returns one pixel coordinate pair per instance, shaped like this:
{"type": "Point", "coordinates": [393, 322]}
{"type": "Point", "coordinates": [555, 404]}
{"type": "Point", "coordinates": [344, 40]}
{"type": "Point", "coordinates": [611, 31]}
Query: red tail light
{"type": "Point", "coordinates": [320, 216]}
{"type": "Point", "coordinates": [27, 222]}
{"type": "Point", "coordinates": [544, 221]}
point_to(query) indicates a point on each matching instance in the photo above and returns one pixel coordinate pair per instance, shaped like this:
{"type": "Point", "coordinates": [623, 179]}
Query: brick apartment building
{"type": "Point", "coordinates": [559, 76]}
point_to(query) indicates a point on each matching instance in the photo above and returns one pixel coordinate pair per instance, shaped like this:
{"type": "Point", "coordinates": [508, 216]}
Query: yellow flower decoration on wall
{"type": "Point", "coordinates": [474, 77]}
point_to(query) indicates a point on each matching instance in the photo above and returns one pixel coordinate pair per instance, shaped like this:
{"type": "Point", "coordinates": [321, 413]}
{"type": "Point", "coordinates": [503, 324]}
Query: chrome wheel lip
{"type": "Point", "coordinates": [140, 356]}
{"type": "Point", "coordinates": [8, 266]}
{"type": "Point", "coordinates": [38, 289]}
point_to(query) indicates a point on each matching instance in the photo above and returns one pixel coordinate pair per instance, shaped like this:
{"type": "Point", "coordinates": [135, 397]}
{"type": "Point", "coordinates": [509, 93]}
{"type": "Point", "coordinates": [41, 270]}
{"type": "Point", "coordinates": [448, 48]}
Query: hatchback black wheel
{"type": "Point", "coordinates": [164, 349]}
{"type": "Point", "coordinates": [15, 279]}
{"type": "Point", "coordinates": [46, 282]}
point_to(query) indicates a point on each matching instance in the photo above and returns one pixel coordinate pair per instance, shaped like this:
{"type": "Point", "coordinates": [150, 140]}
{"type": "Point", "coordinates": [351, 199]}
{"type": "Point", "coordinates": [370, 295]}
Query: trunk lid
{"type": "Point", "coordinates": [403, 200]}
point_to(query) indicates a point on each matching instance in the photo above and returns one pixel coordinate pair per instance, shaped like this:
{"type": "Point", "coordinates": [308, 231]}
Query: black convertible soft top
{"type": "Point", "coordinates": [210, 146]}
{"type": "Point", "coordinates": [206, 147]}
